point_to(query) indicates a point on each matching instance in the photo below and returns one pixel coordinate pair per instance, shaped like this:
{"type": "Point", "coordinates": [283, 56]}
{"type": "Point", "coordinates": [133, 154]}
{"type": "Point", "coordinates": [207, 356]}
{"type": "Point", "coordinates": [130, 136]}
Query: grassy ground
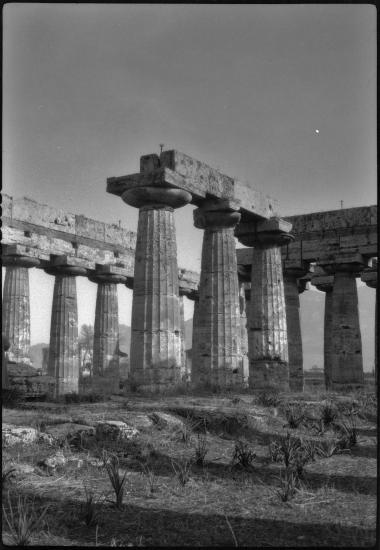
{"type": "Point", "coordinates": [170, 500]}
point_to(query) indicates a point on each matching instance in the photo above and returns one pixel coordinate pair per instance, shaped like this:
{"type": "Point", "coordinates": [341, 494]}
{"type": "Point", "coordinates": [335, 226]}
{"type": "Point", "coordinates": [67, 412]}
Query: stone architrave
{"type": "Point", "coordinates": [63, 350]}
{"type": "Point", "coordinates": [369, 277]}
{"type": "Point", "coordinates": [105, 369]}
{"type": "Point", "coordinates": [16, 306]}
{"type": "Point", "coordinates": [267, 334]}
{"type": "Point", "coordinates": [325, 284]}
{"type": "Point", "coordinates": [156, 324]}
{"type": "Point", "coordinates": [292, 288]}
{"type": "Point", "coordinates": [216, 351]}
{"type": "Point", "coordinates": [346, 344]}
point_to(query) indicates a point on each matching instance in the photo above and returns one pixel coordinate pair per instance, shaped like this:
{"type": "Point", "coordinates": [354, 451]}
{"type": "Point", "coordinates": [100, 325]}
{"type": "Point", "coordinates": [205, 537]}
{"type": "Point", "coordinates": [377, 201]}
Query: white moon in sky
{"type": "Point", "coordinates": [317, 131]}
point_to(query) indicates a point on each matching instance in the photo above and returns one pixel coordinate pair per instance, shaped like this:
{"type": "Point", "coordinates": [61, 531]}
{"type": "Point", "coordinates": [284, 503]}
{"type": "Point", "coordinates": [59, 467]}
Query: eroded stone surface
{"type": "Point", "coordinates": [114, 430]}
{"type": "Point", "coordinates": [11, 435]}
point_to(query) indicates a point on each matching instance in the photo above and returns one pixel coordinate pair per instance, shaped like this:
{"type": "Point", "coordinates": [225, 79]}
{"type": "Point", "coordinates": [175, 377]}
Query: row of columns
{"type": "Point", "coordinates": [226, 352]}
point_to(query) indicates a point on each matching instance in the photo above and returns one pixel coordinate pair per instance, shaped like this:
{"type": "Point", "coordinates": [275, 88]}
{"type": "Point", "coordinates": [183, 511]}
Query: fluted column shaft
{"type": "Point", "coordinates": [346, 345]}
{"type": "Point", "coordinates": [268, 328]}
{"type": "Point", "coordinates": [244, 332]}
{"type": "Point", "coordinates": [156, 323]}
{"type": "Point", "coordinates": [184, 371]}
{"type": "Point", "coordinates": [217, 349]}
{"type": "Point", "coordinates": [327, 339]}
{"type": "Point", "coordinates": [106, 375]}
{"type": "Point", "coordinates": [292, 304]}
{"type": "Point", "coordinates": [369, 276]}
{"type": "Point", "coordinates": [63, 351]}
{"type": "Point", "coordinates": [16, 308]}
{"type": "Point", "coordinates": [194, 375]}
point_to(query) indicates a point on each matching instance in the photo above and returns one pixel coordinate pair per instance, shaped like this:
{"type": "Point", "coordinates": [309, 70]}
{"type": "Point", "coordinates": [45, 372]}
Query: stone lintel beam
{"type": "Point", "coordinates": [175, 169]}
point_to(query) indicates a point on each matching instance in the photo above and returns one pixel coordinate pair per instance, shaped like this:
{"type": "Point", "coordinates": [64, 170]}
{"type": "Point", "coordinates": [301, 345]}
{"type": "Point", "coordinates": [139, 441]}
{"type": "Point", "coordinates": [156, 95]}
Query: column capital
{"type": "Point", "coordinates": [264, 234]}
{"type": "Point", "coordinates": [19, 261]}
{"type": "Point", "coordinates": [369, 277]}
{"type": "Point", "coordinates": [352, 263]}
{"type": "Point", "coordinates": [295, 270]}
{"type": "Point", "coordinates": [324, 283]}
{"type": "Point", "coordinates": [217, 214]}
{"type": "Point", "coordinates": [156, 197]}
{"type": "Point", "coordinates": [64, 265]}
{"type": "Point", "coordinates": [107, 274]}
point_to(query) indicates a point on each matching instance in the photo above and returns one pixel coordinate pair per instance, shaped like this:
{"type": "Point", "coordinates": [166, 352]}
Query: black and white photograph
{"type": "Point", "coordinates": [189, 275]}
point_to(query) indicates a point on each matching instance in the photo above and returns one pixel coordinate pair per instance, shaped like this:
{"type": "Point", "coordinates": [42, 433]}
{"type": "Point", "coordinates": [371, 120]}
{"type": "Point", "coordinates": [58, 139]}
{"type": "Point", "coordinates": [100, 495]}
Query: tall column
{"type": "Point", "coordinates": [16, 306]}
{"type": "Point", "coordinates": [195, 374]}
{"type": "Point", "coordinates": [156, 324]}
{"type": "Point", "coordinates": [184, 372]}
{"type": "Point", "coordinates": [63, 351]}
{"type": "Point", "coordinates": [105, 372]}
{"type": "Point", "coordinates": [369, 277]}
{"type": "Point", "coordinates": [292, 288]}
{"type": "Point", "coordinates": [325, 284]}
{"type": "Point", "coordinates": [243, 331]}
{"type": "Point", "coordinates": [346, 345]}
{"type": "Point", "coordinates": [217, 348]}
{"type": "Point", "coordinates": [267, 333]}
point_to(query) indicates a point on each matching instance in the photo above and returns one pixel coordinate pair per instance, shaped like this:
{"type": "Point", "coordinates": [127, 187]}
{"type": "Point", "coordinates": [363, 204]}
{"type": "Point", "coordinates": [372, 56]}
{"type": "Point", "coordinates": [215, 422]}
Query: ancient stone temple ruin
{"type": "Point", "coordinates": [246, 324]}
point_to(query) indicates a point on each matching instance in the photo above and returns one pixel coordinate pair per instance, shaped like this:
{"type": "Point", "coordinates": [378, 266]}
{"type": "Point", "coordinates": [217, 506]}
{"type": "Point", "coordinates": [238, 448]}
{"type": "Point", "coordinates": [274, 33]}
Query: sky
{"type": "Point", "coordinates": [280, 96]}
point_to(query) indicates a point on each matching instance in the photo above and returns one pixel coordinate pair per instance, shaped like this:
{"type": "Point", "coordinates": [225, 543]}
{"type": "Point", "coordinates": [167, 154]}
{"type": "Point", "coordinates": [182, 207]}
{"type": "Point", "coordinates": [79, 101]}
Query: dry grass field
{"type": "Point", "coordinates": [213, 470]}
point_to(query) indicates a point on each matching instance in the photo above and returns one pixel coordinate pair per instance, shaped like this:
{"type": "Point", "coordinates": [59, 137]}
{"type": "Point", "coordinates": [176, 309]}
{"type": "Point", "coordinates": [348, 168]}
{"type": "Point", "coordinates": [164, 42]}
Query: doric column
{"type": "Point", "coordinates": [63, 351]}
{"type": "Point", "coordinates": [268, 347]}
{"type": "Point", "coordinates": [217, 348]}
{"type": "Point", "coordinates": [156, 324]}
{"type": "Point", "coordinates": [195, 374]}
{"type": "Point", "coordinates": [324, 283]}
{"type": "Point", "coordinates": [105, 370]}
{"type": "Point", "coordinates": [292, 288]}
{"type": "Point", "coordinates": [369, 277]}
{"type": "Point", "coordinates": [346, 345]}
{"type": "Point", "coordinates": [243, 331]}
{"type": "Point", "coordinates": [16, 306]}
{"type": "Point", "coordinates": [184, 372]}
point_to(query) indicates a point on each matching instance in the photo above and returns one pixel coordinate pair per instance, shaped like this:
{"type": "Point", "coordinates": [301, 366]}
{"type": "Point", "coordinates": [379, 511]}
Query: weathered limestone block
{"type": "Point", "coordinates": [345, 337]}
{"type": "Point", "coordinates": [11, 435]}
{"type": "Point", "coordinates": [156, 325]}
{"type": "Point", "coordinates": [268, 346]}
{"type": "Point", "coordinates": [113, 430]}
{"type": "Point", "coordinates": [292, 289]}
{"type": "Point", "coordinates": [106, 375]}
{"type": "Point", "coordinates": [63, 351]}
{"type": "Point", "coordinates": [16, 306]}
{"type": "Point", "coordinates": [217, 352]}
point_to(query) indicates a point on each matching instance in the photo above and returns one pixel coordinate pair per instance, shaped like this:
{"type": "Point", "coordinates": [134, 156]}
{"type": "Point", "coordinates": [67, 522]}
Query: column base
{"type": "Point", "coordinates": [296, 380]}
{"type": "Point", "coordinates": [269, 375]}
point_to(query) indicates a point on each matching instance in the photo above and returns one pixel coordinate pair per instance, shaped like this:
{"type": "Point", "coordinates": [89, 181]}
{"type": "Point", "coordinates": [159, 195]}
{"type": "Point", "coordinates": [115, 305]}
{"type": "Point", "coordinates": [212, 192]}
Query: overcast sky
{"type": "Point", "coordinates": [281, 96]}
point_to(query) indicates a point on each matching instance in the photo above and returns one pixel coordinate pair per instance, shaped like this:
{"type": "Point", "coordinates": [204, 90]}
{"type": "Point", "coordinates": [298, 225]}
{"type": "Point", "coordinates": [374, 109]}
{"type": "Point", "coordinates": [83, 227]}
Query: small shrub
{"type": "Point", "coordinates": [185, 432]}
{"type": "Point", "coordinates": [269, 398]}
{"type": "Point", "coordinates": [329, 413]}
{"type": "Point", "coordinates": [328, 448]}
{"type": "Point", "coordinates": [151, 478]}
{"type": "Point", "coordinates": [310, 449]}
{"type": "Point", "coordinates": [347, 429]}
{"type": "Point", "coordinates": [182, 469]}
{"type": "Point", "coordinates": [118, 483]}
{"type": "Point", "coordinates": [289, 484]}
{"type": "Point", "coordinates": [289, 446]}
{"type": "Point", "coordinates": [7, 473]}
{"type": "Point", "coordinates": [200, 450]}
{"type": "Point", "coordinates": [295, 416]}
{"type": "Point", "coordinates": [275, 452]}
{"type": "Point", "coordinates": [23, 521]}
{"type": "Point", "coordinates": [88, 510]}
{"type": "Point", "coordinates": [243, 456]}
{"type": "Point", "coordinates": [300, 460]}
